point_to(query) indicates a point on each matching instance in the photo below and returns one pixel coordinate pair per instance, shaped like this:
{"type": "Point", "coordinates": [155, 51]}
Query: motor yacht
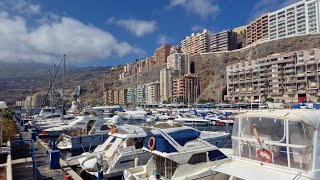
{"type": "Point", "coordinates": [179, 153]}
{"type": "Point", "coordinates": [275, 145]}
{"type": "Point", "coordinates": [122, 150]}
{"type": "Point", "coordinates": [79, 126]}
{"type": "Point", "coordinates": [189, 120]}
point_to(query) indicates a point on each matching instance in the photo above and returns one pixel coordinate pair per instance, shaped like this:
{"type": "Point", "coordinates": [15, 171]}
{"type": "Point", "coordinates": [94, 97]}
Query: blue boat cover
{"type": "Point", "coordinates": [296, 106]}
{"type": "Point", "coordinates": [316, 106]}
{"type": "Point", "coordinates": [181, 137]}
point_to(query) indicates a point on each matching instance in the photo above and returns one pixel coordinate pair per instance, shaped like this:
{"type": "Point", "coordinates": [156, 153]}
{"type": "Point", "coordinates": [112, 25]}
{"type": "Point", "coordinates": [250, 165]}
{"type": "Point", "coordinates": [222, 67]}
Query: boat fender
{"type": "Point", "coordinates": [151, 143]}
{"type": "Point", "coordinates": [136, 162]}
{"type": "Point", "coordinates": [264, 155]}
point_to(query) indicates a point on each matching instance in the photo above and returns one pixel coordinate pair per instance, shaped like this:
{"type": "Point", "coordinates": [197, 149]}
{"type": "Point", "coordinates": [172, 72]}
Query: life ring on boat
{"type": "Point", "coordinates": [151, 143]}
{"type": "Point", "coordinates": [113, 130]}
{"type": "Point", "coordinates": [264, 155]}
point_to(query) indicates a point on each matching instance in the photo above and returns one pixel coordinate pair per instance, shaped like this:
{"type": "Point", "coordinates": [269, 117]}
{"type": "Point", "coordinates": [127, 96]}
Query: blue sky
{"type": "Point", "coordinates": [101, 32]}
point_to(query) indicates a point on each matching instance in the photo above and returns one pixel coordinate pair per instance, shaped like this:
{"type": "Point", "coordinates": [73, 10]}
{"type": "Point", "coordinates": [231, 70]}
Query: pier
{"type": "Point", "coordinates": [23, 162]}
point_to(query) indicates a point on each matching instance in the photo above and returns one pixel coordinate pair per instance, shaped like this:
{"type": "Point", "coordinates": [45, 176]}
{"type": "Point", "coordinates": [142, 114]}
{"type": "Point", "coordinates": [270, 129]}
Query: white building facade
{"type": "Point", "coordinates": [297, 19]}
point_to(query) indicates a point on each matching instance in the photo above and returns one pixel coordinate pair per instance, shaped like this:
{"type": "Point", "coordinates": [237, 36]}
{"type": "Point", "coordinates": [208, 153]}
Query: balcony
{"type": "Point", "coordinates": [311, 74]}
{"type": "Point", "coordinates": [313, 91]}
{"type": "Point", "coordinates": [292, 92]}
{"type": "Point", "coordinates": [300, 74]}
{"type": "Point", "coordinates": [311, 62]}
{"type": "Point", "coordinates": [276, 93]}
{"type": "Point", "coordinates": [301, 91]}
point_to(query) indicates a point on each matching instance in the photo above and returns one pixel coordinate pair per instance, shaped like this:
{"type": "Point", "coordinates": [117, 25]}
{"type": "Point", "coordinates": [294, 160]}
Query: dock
{"type": "Point", "coordinates": [22, 161]}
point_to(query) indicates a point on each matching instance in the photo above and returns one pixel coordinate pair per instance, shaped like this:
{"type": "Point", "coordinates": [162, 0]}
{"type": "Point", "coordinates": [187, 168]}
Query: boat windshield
{"type": "Point", "coordinates": [282, 142]}
{"type": "Point", "coordinates": [164, 166]}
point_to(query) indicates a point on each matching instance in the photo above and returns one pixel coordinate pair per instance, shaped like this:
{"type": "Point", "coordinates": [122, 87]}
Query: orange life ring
{"type": "Point", "coordinates": [264, 155]}
{"type": "Point", "coordinates": [153, 140]}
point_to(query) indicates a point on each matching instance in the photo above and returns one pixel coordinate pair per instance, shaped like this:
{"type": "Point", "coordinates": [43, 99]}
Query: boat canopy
{"type": "Point", "coordinates": [180, 135]}
{"type": "Point", "coordinates": [286, 138]}
{"type": "Point", "coordinates": [308, 116]}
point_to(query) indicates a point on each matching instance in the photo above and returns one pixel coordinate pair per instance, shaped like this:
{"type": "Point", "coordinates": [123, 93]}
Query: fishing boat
{"type": "Point", "coordinates": [275, 145]}
{"type": "Point", "coordinates": [179, 153]}
{"type": "Point", "coordinates": [122, 150]}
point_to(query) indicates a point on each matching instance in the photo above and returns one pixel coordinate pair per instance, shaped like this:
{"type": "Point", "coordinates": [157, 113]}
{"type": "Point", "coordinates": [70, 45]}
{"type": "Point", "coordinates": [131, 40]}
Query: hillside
{"type": "Point", "coordinates": [18, 78]}
{"type": "Point", "coordinates": [211, 67]}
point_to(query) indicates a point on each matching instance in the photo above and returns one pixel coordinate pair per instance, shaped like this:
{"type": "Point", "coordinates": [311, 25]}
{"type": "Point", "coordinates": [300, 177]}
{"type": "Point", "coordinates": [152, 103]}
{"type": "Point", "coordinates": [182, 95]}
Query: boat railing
{"type": "Point", "coordinates": [266, 142]}
{"type": "Point", "coordinates": [288, 155]}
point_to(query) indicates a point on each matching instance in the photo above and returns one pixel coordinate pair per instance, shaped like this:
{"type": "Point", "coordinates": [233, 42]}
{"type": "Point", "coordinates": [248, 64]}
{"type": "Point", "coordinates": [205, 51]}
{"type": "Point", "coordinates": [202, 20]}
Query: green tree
{"type": "Point", "coordinates": [202, 101]}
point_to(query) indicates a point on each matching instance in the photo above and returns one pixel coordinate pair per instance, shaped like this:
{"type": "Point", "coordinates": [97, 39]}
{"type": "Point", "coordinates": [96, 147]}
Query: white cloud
{"type": "Point", "coordinates": [264, 6]}
{"type": "Point", "coordinates": [163, 39]}
{"type": "Point", "coordinates": [196, 28]}
{"type": "Point", "coordinates": [202, 8]}
{"type": "Point", "coordinates": [48, 40]}
{"type": "Point", "coordinates": [21, 7]}
{"type": "Point", "coordinates": [135, 26]}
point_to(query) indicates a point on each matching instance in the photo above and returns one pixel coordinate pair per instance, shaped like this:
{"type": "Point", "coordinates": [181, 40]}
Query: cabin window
{"type": "Point", "coordinates": [198, 158]}
{"type": "Point", "coordinates": [269, 129]}
{"type": "Point", "coordinates": [165, 167]}
{"type": "Point", "coordinates": [301, 135]}
{"type": "Point", "coordinates": [216, 155]}
{"type": "Point", "coordinates": [104, 127]}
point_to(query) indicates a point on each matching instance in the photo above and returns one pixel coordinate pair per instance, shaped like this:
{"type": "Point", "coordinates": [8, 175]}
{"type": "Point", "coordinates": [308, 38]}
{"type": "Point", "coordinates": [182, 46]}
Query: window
{"type": "Point", "coordinates": [198, 158]}
{"type": "Point", "coordinates": [104, 127]}
{"type": "Point", "coordinates": [165, 167]}
{"type": "Point", "coordinates": [301, 135]}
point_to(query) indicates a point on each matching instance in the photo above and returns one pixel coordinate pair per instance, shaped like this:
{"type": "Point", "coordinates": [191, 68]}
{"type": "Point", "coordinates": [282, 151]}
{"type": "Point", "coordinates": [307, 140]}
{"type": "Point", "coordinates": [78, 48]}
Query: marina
{"type": "Point", "coordinates": [160, 90]}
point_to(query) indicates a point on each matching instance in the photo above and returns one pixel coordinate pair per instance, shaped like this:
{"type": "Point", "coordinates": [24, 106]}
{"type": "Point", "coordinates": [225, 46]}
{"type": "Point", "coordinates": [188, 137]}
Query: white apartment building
{"type": "Point", "coordinates": [178, 62]}
{"type": "Point", "coordinates": [296, 19]}
{"type": "Point", "coordinates": [136, 95]}
{"type": "Point", "coordinates": [290, 77]}
{"type": "Point", "coordinates": [153, 93]}
{"type": "Point", "coordinates": [167, 77]}
{"type": "Point", "coordinates": [164, 84]}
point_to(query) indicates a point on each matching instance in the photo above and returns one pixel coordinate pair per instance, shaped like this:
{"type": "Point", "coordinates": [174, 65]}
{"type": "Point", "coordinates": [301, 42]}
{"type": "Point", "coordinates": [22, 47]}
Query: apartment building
{"type": "Point", "coordinates": [289, 77]}
{"type": "Point", "coordinates": [196, 43]}
{"type": "Point", "coordinates": [178, 62]}
{"type": "Point", "coordinates": [153, 93]}
{"type": "Point", "coordinates": [116, 97]}
{"type": "Point", "coordinates": [223, 41]}
{"type": "Point", "coordinates": [136, 95]}
{"type": "Point", "coordinates": [296, 19]}
{"type": "Point", "coordinates": [257, 30]}
{"type": "Point", "coordinates": [123, 93]}
{"type": "Point", "coordinates": [167, 77]}
{"type": "Point", "coordinates": [110, 97]}
{"type": "Point", "coordinates": [175, 49]}
{"type": "Point", "coordinates": [186, 88]}
{"type": "Point", "coordinates": [164, 84]}
{"type": "Point", "coordinates": [161, 54]}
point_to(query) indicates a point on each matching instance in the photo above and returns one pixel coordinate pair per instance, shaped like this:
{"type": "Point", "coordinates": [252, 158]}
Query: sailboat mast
{"type": "Point", "coordinates": [63, 79]}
